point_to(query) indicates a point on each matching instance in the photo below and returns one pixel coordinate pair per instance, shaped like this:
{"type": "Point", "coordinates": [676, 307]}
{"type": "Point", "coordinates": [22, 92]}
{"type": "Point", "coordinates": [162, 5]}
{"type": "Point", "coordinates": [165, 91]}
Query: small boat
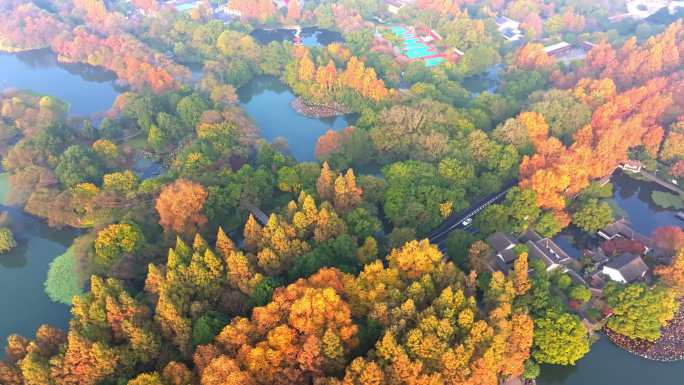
{"type": "Point", "coordinates": [680, 215]}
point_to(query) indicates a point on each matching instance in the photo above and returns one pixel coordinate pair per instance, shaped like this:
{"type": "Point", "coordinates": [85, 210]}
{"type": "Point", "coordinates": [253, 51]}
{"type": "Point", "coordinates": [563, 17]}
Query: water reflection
{"type": "Point", "coordinates": [267, 101]}
{"type": "Point", "coordinates": [16, 258]}
{"type": "Point", "coordinates": [634, 197]}
{"type": "Point", "coordinates": [311, 36]}
{"type": "Point", "coordinates": [87, 89]}
{"type": "Point", "coordinates": [487, 81]}
{"type": "Point", "coordinates": [23, 270]}
{"type": "Point", "coordinates": [607, 364]}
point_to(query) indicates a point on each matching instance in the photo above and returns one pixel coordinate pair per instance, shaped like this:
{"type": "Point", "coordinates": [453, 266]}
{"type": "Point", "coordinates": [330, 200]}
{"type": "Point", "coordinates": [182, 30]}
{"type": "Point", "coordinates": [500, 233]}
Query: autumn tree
{"type": "Point", "coordinates": [308, 324]}
{"type": "Point", "coordinates": [347, 193]}
{"type": "Point", "coordinates": [480, 256]}
{"type": "Point", "coordinates": [668, 238]}
{"type": "Point", "coordinates": [111, 333]}
{"type": "Point", "coordinates": [180, 207]}
{"type": "Point", "coordinates": [533, 57]}
{"type": "Point", "coordinates": [560, 339]}
{"type": "Point", "coordinates": [116, 240]}
{"type": "Point", "coordinates": [293, 10]}
{"type": "Point", "coordinates": [520, 275]}
{"type": "Point", "coordinates": [193, 281]}
{"type": "Point", "coordinates": [95, 10]}
{"type": "Point", "coordinates": [673, 274]}
{"type": "Point", "coordinates": [638, 311]}
{"type": "Point", "coordinates": [258, 9]}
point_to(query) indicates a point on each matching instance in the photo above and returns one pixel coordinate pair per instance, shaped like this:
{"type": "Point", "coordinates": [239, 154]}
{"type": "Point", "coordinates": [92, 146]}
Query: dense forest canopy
{"type": "Point", "coordinates": [187, 283]}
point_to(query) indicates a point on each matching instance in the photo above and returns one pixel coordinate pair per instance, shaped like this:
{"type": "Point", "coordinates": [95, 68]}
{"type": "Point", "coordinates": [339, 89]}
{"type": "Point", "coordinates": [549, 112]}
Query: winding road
{"type": "Point", "coordinates": [455, 221]}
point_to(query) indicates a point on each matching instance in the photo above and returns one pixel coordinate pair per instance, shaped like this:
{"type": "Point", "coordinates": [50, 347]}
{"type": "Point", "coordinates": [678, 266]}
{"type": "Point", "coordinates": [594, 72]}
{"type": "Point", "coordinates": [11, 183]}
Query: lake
{"type": "Point", "coordinates": [606, 364]}
{"type": "Point", "coordinates": [311, 36]}
{"type": "Point", "coordinates": [267, 101]}
{"type": "Point", "coordinates": [87, 89]}
{"type": "Point", "coordinates": [23, 270]}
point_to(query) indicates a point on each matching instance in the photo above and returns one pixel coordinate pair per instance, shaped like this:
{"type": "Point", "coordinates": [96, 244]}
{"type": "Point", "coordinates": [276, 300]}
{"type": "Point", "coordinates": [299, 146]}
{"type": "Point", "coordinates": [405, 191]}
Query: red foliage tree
{"type": "Point", "coordinates": [622, 245]}
{"type": "Point", "coordinates": [669, 238]}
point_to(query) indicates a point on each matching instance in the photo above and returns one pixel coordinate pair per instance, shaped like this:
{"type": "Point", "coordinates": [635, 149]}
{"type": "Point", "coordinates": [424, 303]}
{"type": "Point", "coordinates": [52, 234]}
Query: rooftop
{"type": "Point", "coordinates": [509, 255]}
{"type": "Point", "coordinates": [621, 228]}
{"type": "Point", "coordinates": [631, 266]}
{"type": "Point", "coordinates": [501, 241]}
{"type": "Point", "coordinates": [553, 249]}
{"type": "Point", "coordinates": [531, 235]}
{"type": "Point", "coordinates": [556, 47]}
{"type": "Point", "coordinates": [537, 252]}
{"type": "Point", "coordinates": [501, 20]}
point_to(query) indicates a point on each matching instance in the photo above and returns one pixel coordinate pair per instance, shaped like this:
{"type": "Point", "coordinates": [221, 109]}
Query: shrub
{"type": "Point", "coordinates": [63, 279]}
{"type": "Point", "coordinates": [580, 293]}
{"type": "Point", "coordinates": [207, 327]}
{"type": "Point", "coordinates": [532, 370]}
{"type": "Point", "coordinates": [564, 281]}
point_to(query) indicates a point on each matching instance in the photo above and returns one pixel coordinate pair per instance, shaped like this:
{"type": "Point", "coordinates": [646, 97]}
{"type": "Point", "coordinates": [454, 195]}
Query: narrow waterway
{"type": "Point", "coordinates": [267, 101]}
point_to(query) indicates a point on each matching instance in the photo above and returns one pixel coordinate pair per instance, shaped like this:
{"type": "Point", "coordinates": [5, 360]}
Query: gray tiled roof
{"type": "Point", "coordinates": [631, 266]}
{"type": "Point", "coordinates": [501, 241]}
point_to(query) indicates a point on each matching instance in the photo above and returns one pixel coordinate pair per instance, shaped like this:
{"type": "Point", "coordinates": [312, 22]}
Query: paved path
{"type": "Point", "coordinates": [656, 179]}
{"type": "Point", "coordinates": [455, 221]}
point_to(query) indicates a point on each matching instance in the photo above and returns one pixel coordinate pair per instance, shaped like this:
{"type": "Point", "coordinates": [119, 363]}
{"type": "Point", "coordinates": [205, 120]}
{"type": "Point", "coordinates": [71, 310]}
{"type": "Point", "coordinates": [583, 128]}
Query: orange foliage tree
{"type": "Point", "coordinates": [28, 27]}
{"type": "Point", "coordinates": [673, 274]}
{"type": "Point", "coordinates": [131, 60]}
{"type": "Point", "coordinates": [294, 11]}
{"type": "Point", "coordinates": [254, 9]}
{"type": "Point", "coordinates": [180, 207]}
{"type": "Point", "coordinates": [533, 57]}
{"type": "Point", "coordinates": [669, 238]}
{"type": "Point", "coordinates": [325, 81]}
{"type": "Point", "coordinates": [304, 333]}
{"type": "Point", "coordinates": [633, 64]}
{"type": "Point", "coordinates": [340, 190]}
{"type": "Point", "coordinates": [95, 10]}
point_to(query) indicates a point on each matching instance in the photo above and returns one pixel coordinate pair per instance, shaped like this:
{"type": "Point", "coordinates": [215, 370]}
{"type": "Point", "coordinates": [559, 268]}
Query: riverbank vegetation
{"type": "Point", "coordinates": [239, 264]}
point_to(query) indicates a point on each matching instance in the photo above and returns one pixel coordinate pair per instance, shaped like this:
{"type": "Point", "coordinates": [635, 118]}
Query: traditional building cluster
{"type": "Point", "coordinates": [625, 267]}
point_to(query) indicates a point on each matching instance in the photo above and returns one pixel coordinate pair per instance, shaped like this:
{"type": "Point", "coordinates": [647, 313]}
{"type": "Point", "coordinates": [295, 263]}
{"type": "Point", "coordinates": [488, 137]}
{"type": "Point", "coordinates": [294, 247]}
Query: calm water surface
{"type": "Point", "coordinates": [487, 81]}
{"type": "Point", "coordinates": [267, 101]}
{"type": "Point", "coordinates": [87, 89]}
{"type": "Point", "coordinates": [634, 197]}
{"type": "Point", "coordinates": [311, 37]}
{"type": "Point", "coordinates": [23, 270]}
{"type": "Point", "coordinates": [607, 364]}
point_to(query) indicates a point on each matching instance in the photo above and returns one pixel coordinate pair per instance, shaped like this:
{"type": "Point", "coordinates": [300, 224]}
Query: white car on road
{"type": "Point", "coordinates": [467, 222]}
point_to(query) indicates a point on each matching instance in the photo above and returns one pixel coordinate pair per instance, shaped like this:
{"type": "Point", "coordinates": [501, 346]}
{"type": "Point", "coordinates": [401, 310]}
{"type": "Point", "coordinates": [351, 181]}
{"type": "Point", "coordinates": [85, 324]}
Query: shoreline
{"type": "Point", "coordinates": [317, 111]}
{"type": "Point", "coordinates": [668, 348]}
{"type": "Point", "coordinates": [14, 50]}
